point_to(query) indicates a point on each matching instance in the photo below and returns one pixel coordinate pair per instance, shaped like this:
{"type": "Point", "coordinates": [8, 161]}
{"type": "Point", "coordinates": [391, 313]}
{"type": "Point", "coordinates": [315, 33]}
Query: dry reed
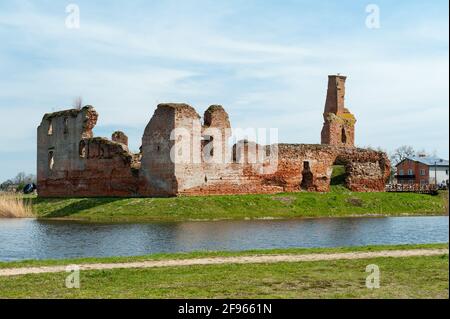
{"type": "Point", "coordinates": [14, 205]}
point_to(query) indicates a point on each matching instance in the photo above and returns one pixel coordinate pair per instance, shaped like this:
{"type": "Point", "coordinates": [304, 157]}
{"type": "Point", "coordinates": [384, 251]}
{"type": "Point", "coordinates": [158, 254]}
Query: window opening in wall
{"type": "Point", "coordinates": [66, 125]}
{"type": "Point", "coordinates": [51, 160]}
{"type": "Point", "coordinates": [307, 176]}
{"type": "Point", "coordinates": [82, 149]}
{"type": "Point", "coordinates": [207, 140]}
{"type": "Point", "coordinates": [50, 127]}
{"type": "Point", "coordinates": [343, 136]}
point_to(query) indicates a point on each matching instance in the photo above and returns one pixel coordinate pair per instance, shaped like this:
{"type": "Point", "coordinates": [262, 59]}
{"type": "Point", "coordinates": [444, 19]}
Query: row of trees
{"type": "Point", "coordinates": [18, 182]}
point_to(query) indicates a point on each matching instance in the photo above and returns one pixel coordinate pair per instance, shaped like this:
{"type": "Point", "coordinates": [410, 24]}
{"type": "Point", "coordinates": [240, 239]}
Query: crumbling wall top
{"type": "Point", "coordinates": [120, 137]}
{"type": "Point", "coordinates": [70, 112]}
{"type": "Point", "coordinates": [113, 148]}
{"type": "Point", "coordinates": [181, 108]}
{"type": "Point", "coordinates": [216, 116]}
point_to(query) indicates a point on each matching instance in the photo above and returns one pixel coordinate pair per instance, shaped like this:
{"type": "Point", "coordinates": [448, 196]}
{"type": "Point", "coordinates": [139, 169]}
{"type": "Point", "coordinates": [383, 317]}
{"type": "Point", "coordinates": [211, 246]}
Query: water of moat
{"type": "Point", "coordinates": [33, 239]}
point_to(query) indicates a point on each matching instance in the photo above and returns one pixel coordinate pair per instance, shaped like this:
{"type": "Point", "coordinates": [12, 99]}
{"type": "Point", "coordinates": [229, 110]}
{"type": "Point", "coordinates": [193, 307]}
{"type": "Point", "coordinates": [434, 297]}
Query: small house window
{"type": "Point", "coordinates": [401, 172]}
{"type": "Point", "coordinates": [50, 127]}
{"type": "Point", "coordinates": [51, 160]}
{"type": "Point", "coordinates": [422, 172]}
{"type": "Point", "coordinates": [410, 172]}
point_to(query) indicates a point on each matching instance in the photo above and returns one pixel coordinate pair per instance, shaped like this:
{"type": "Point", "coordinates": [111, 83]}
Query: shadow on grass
{"type": "Point", "coordinates": [78, 205]}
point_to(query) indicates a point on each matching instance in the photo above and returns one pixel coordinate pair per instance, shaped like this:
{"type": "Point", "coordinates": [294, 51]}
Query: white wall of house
{"type": "Point", "coordinates": [441, 174]}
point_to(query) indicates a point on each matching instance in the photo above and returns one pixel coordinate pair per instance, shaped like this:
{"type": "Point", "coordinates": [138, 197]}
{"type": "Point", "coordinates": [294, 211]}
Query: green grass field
{"type": "Point", "coordinates": [340, 202]}
{"type": "Point", "coordinates": [408, 277]}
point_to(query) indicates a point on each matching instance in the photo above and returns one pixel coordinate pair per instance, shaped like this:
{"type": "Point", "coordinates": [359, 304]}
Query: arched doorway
{"type": "Point", "coordinates": [339, 173]}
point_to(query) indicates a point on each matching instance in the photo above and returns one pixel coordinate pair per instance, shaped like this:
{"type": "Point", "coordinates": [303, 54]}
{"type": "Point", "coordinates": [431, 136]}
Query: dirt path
{"type": "Point", "coordinates": [253, 259]}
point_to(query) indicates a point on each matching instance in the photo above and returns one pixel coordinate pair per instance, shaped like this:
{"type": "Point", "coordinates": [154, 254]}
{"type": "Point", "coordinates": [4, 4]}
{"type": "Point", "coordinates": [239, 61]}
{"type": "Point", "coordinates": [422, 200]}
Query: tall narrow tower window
{"type": "Point", "coordinates": [50, 127]}
{"type": "Point", "coordinates": [51, 160]}
{"type": "Point", "coordinates": [66, 125]}
{"type": "Point", "coordinates": [82, 149]}
{"type": "Point", "coordinates": [343, 136]}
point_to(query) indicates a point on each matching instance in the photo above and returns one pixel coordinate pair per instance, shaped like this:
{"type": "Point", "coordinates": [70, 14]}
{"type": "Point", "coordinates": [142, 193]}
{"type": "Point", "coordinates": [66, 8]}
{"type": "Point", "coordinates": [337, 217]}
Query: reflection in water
{"type": "Point", "coordinates": [32, 239]}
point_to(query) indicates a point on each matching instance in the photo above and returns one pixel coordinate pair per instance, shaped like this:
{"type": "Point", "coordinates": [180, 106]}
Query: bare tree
{"type": "Point", "coordinates": [401, 153]}
{"type": "Point", "coordinates": [20, 178]}
{"type": "Point", "coordinates": [78, 103]}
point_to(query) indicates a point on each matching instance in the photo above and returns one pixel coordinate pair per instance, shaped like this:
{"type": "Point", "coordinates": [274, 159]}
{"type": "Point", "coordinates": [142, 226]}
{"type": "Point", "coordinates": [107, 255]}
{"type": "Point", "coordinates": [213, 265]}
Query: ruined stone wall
{"type": "Point", "coordinates": [310, 167]}
{"type": "Point", "coordinates": [304, 167]}
{"type": "Point", "coordinates": [216, 153]}
{"type": "Point", "coordinates": [187, 150]}
{"type": "Point", "coordinates": [71, 162]}
{"type": "Point", "coordinates": [367, 170]}
{"type": "Point", "coordinates": [157, 173]}
{"type": "Point", "coordinates": [181, 155]}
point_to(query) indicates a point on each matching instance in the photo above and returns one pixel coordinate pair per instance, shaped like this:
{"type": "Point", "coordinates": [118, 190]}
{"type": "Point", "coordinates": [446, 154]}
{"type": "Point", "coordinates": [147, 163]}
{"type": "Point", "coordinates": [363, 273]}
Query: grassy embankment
{"type": "Point", "coordinates": [406, 277]}
{"type": "Point", "coordinates": [340, 202]}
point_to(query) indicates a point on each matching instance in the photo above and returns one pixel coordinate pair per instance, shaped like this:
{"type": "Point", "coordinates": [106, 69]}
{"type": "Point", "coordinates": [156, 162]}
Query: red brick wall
{"type": "Point", "coordinates": [339, 124]}
{"type": "Point", "coordinates": [87, 166]}
{"type": "Point", "coordinates": [367, 171]}
{"type": "Point", "coordinates": [105, 170]}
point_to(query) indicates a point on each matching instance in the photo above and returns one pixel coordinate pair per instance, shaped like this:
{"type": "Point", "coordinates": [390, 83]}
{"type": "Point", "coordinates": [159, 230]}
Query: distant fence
{"type": "Point", "coordinates": [413, 188]}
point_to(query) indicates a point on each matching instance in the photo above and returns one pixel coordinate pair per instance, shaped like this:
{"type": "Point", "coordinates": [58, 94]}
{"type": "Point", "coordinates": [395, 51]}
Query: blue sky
{"type": "Point", "coordinates": [265, 61]}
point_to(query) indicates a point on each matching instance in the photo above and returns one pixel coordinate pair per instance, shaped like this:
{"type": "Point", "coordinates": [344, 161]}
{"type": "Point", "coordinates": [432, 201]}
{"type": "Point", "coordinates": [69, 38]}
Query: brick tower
{"type": "Point", "coordinates": [339, 124]}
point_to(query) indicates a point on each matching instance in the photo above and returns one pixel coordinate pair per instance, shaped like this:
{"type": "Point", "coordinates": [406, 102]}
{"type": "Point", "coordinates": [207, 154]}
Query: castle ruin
{"type": "Point", "coordinates": [71, 162]}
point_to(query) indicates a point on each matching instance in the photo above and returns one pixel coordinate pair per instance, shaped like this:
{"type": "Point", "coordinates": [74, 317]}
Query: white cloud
{"type": "Point", "coordinates": [397, 85]}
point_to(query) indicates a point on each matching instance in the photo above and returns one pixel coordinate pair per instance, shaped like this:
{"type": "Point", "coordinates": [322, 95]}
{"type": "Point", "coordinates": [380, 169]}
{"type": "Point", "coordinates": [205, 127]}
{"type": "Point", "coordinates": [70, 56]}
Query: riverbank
{"type": "Point", "coordinates": [408, 271]}
{"type": "Point", "coordinates": [340, 202]}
